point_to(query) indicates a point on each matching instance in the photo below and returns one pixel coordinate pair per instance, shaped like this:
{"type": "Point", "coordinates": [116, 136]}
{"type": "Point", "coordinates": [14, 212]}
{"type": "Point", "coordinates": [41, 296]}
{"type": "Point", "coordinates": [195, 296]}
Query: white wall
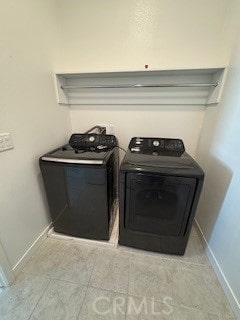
{"type": "Point", "coordinates": [127, 34]}
{"type": "Point", "coordinates": [130, 121]}
{"type": "Point", "coordinates": [122, 35]}
{"type": "Point", "coordinates": [219, 154]}
{"type": "Point", "coordinates": [28, 110]}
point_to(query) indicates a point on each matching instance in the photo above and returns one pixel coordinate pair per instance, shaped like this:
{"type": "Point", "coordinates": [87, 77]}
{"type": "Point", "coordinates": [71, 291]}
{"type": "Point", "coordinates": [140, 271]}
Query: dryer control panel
{"type": "Point", "coordinates": [150, 145]}
{"type": "Point", "coordinates": [92, 141]}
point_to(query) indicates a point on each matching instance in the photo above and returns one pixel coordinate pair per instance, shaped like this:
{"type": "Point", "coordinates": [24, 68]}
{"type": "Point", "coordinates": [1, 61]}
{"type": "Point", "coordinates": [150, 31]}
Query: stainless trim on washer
{"type": "Point", "coordinates": [76, 161]}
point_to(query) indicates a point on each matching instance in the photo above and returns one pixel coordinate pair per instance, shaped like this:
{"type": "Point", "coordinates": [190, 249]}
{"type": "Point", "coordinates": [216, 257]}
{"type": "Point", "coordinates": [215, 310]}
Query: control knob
{"type": "Point", "coordinates": [91, 138]}
{"type": "Point", "coordinates": [156, 143]}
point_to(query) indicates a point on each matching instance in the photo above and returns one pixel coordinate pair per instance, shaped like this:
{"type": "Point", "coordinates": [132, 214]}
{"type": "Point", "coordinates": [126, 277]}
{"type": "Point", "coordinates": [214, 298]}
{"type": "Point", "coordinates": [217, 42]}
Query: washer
{"type": "Point", "coordinates": [80, 179]}
{"type": "Point", "coordinates": [160, 185]}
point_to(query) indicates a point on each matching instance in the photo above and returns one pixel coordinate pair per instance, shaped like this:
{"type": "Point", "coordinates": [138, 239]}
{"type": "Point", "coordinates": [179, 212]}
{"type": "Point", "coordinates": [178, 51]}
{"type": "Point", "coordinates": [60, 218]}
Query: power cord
{"type": "Point", "coordinates": [122, 149]}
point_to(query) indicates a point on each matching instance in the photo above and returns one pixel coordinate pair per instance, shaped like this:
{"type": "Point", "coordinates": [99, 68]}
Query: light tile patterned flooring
{"type": "Point", "coordinates": [74, 281]}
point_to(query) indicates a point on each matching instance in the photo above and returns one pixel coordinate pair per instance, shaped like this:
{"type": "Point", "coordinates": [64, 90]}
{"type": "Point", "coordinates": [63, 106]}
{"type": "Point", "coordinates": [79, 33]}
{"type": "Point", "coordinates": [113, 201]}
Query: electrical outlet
{"type": "Point", "coordinates": [109, 128]}
{"type": "Point", "coordinates": [5, 142]}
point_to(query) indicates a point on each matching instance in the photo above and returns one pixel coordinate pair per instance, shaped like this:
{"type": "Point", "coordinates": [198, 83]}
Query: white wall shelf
{"type": "Point", "coordinates": [159, 87]}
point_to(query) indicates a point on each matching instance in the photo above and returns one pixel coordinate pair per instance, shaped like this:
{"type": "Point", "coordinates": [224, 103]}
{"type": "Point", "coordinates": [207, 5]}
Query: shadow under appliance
{"type": "Point", "coordinates": [80, 179]}
{"type": "Point", "coordinates": [160, 185]}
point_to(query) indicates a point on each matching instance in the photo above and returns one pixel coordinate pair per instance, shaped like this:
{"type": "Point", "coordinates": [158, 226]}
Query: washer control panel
{"type": "Point", "coordinates": [150, 145]}
{"type": "Point", "coordinates": [92, 141]}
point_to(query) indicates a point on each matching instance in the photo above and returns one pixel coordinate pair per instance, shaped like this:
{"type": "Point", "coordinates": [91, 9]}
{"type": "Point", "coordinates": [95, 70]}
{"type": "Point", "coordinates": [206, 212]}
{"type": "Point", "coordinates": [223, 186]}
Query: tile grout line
{"type": "Point", "coordinates": [170, 258]}
{"type": "Point", "coordinates": [126, 310]}
{"type": "Point", "coordinates": [94, 266]}
{"type": "Point", "coordinates": [78, 314]}
{"type": "Point", "coordinates": [87, 286]}
{"type": "Point", "coordinates": [148, 298]}
{"type": "Point", "coordinates": [107, 290]}
{"type": "Point", "coordinates": [187, 263]}
{"type": "Point", "coordinates": [39, 299]}
{"type": "Point", "coordinates": [58, 279]}
{"type": "Point", "coordinates": [115, 292]}
{"type": "Point", "coordinates": [143, 254]}
{"type": "Point", "coordinates": [179, 306]}
{"type": "Point", "coordinates": [76, 283]}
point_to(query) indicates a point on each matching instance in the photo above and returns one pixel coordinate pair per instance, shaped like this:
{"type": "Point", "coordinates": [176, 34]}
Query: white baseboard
{"type": "Point", "coordinates": [31, 250]}
{"type": "Point", "coordinates": [6, 274]}
{"type": "Point", "coordinates": [235, 304]}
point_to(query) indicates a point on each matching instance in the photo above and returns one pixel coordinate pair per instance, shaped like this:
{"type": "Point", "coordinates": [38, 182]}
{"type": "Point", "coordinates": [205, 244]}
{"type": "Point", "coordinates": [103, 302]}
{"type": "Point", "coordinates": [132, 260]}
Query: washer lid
{"type": "Point", "coordinates": [66, 154]}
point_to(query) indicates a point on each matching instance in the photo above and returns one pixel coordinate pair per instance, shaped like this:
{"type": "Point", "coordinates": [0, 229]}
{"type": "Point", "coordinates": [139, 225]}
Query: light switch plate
{"type": "Point", "coordinates": [5, 142]}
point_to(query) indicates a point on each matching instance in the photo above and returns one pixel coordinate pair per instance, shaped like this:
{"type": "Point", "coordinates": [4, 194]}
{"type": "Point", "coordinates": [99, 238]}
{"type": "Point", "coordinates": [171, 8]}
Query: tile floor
{"type": "Point", "coordinates": [75, 281]}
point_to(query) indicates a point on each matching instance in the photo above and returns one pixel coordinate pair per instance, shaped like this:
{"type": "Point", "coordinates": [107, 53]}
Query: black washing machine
{"type": "Point", "coordinates": [160, 185]}
{"type": "Point", "coordinates": [80, 179]}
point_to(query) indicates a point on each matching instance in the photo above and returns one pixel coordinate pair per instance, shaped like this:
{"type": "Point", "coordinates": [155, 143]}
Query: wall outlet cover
{"type": "Point", "coordinates": [109, 128]}
{"type": "Point", "coordinates": [5, 142]}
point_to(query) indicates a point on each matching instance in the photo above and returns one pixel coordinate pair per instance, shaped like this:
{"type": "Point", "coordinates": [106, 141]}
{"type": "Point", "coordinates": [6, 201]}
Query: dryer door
{"type": "Point", "coordinates": [158, 204]}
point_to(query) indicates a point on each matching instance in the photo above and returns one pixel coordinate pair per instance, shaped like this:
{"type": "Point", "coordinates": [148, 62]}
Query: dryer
{"type": "Point", "coordinates": [160, 185]}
